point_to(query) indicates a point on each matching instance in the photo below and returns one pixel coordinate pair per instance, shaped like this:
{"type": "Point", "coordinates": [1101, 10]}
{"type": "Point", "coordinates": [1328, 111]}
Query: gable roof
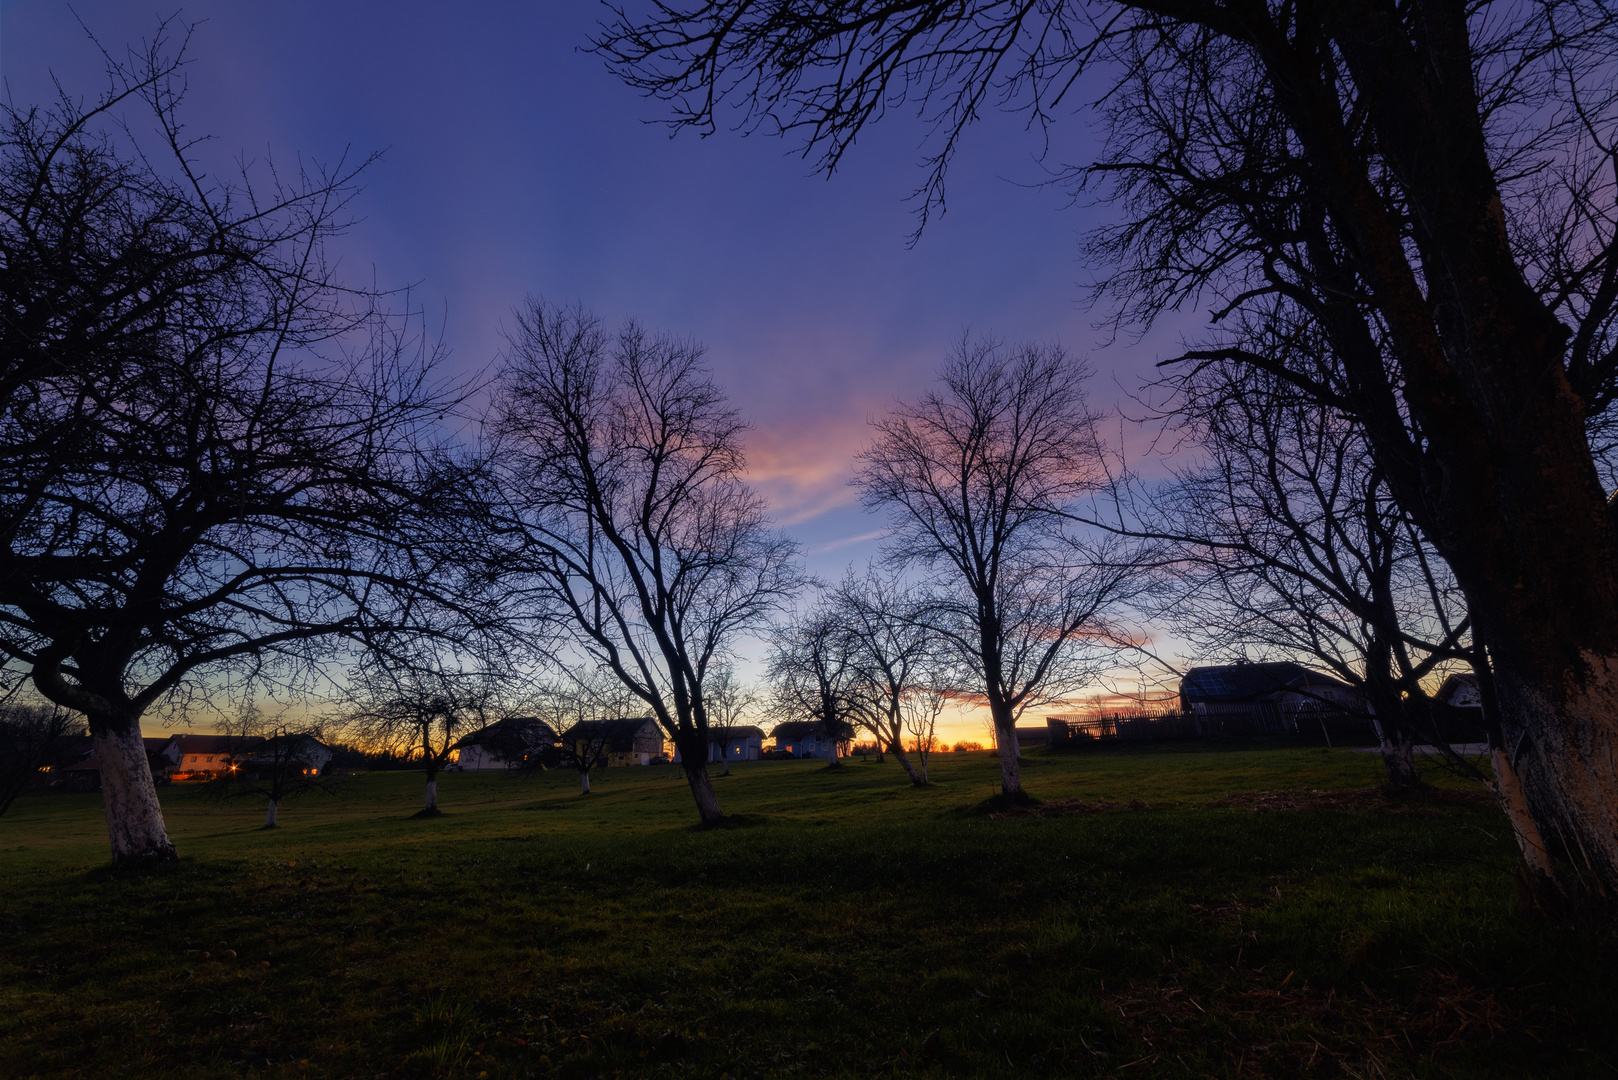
{"type": "Point", "coordinates": [527, 729]}
{"type": "Point", "coordinates": [216, 744]}
{"type": "Point", "coordinates": [1249, 682]}
{"type": "Point", "coordinates": [626, 728]}
{"type": "Point", "coordinates": [1457, 684]}
{"type": "Point", "coordinates": [298, 742]}
{"type": "Point", "coordinates": [793, 730]}
{"type": "Point", "coordinates": [721, 733]}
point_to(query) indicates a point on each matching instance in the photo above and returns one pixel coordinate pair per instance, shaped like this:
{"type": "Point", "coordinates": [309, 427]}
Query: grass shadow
{"type": "Point", "coordinates": [731, 821]}
{"type": "Point", "coordinates": [999, 804]}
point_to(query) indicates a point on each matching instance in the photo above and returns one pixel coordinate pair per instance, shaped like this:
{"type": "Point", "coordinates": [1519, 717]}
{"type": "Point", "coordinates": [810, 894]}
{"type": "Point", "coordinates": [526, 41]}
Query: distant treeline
{"type": "Point", "coordinates": [345, 756]}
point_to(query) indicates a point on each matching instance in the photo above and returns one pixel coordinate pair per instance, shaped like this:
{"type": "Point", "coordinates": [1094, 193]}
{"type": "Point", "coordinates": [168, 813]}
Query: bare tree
{"type": "Point", "coordinates": [33, 738]}
{"type": "Point", "coordinates": [213, 457]}
{"type": "Point", "coordinates": [635, 536]}
{"type": "Point", "coordinates": [728, 702]}
{"type": "Point", "coordinates": [584, 699]}
{"type": "Point", "coordinates": [1430, 184]}
{"type": "Point", "coordinates": [275, 759]}
{"type": "Point", "coordinates": [811, 672]}
{"type": "Point", "coordinates": [976, 479]}
{"type": "Point", "coordinates": [892, 658]}
{"type": "Point", "coordinates": [425, 710]}
{"type": "Point", "coordinates": [1286, 540]}
{"type": "Point", "coordinates": [920, 707]}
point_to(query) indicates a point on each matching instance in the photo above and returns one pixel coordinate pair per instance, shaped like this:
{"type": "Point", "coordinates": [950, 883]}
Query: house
{"type": "Point", "coordinates": [202, 757]}
{"type": "Point", "coordinates": [509, 743]}
{"type": "Point", "coordinates": [1460, 690]}
{"type": "Point", "coordinates": [163, 755]}
{"type": "Point", "coordinates": [81, 768]}
{"type": "Point", "coordinates": [1030, 737]}
{"type": "Point", "coordinates": [628, 741]}
{"type": "Point", "coordinates": [739, 742]}
{"type": "Point", "coordinates": [307, 753]}
{"type": "Point", "coordinates": [1457, 711]}
{"type": "Point", "coordinates": [1279, 696]}
{"type": "Point", "coordinates": [802, 738]}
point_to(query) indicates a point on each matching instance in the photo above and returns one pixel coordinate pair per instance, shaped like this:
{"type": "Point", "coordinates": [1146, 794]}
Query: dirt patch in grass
{"type": "Point", "coordinates": [1071, 808]}
{"type": "Point", "coordinates": [1423, 801]}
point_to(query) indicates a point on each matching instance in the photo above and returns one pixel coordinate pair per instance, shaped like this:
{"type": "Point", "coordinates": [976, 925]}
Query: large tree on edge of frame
{"type": "Point", "coordinates": [630, 527]}
{"type": "Point", "coordinates": [1431, 182]}
{"type": "Point", "coordinates": [1283, 538]}
{"type": "Point", "coordinates": [214, 460]}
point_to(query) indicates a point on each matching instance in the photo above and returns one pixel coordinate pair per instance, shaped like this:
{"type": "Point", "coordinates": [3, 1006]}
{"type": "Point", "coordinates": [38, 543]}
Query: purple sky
{"type": "Point", "coordinates": [516, 165]}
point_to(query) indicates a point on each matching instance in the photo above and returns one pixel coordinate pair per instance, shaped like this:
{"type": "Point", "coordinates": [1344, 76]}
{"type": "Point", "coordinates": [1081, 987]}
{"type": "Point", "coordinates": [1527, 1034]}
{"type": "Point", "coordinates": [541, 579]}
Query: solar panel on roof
{"type": "Point", "coordinates": [1209, 684]}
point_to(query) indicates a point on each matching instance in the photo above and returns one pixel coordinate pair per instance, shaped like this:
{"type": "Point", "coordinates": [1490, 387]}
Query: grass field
{"type": "Point", "coordinates": [845, 924]}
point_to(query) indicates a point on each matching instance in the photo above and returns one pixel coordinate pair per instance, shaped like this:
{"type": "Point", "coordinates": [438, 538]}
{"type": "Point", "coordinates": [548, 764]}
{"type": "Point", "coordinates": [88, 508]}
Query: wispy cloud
{"type": "Point", "coordinates": [803, 466]}
{"type": "Point", "coordinates": [846, 541]}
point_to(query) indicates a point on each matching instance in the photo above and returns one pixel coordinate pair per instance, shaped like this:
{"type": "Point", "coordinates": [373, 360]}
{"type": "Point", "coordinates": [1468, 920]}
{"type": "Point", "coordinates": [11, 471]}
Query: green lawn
{"type": "Point", "coordinates": [840, 922]}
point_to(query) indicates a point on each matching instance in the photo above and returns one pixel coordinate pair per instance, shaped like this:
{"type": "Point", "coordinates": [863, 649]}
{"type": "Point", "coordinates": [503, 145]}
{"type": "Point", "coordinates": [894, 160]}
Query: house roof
{"type": "Point", "coordinates": [528, 728]}
{"type": "Point", "coordinates": [718, 732]}
{"type": "Point", "coordinates": [799, 729]}
{"type": "Point", "coordinates": [78, 751]}
{"type": "Point", "coordinates": [217, 744]}
{"type": "Point", "coordinates": [626, 728]}
{"type": "Point", "coordinates": [1249, 682]}
{"type": "Point", "coordinates": [295, 740]}
{"type": "Point", "coordinates": [1457, 684]}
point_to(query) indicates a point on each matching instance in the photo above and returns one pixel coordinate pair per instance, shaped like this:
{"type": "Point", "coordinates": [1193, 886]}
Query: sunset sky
{"type": "Point", "coordinates": [515, 165]}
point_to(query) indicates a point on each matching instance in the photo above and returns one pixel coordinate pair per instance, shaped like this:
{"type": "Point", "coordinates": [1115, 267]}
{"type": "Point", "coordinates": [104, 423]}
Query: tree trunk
{"type": "Point", "coordinates": [1514, 801]}
{"type": "Point", "coordinates": [134, 816]}
{"type": "Point", "coordinates": [1005, 738]}
{"type": "Point", "coordinates": [1399, 758]}
{"type": "Point", "coordinates": [432, 795]}
{"type": "Point", "coordinates": [910, 770]}
{"type": "Point", "coordinates": [1398, 746]}
{"type": "Point", "coordinates": [835, 760]}
{"type": "Point", "coordinates": [269, 815]}
{"type": "Point", "coordinates": [584, 781]}
{"type": "Point", "coordinates": [1562, 752]}
{"type": "Point", "coordinates": [696, 774]}
{"type": "Point", "coordinates": [1386, 699]}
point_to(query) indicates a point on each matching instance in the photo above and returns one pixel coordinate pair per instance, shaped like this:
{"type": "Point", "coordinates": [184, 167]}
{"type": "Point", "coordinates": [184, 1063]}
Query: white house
{"type": "Point", "coordinates": [506, 744]}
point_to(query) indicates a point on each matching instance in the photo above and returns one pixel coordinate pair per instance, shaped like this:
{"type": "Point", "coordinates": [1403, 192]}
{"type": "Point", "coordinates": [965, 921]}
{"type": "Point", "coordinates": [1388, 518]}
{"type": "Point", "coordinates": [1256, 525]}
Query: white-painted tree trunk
{"type": "Point", "coordinates": [1010, 760]}
{"type": "Point", "coordinates": [584, 781]}
{"type": "Point", "coordinates": [432, 794]}
{"type": "Point", "coordinates": [910, 769]}
{"type": "Point", "coordinates": [269, 815]}
{"type": "Point", "coordinates": [134, 816]}
{"type": "Point", "coordinates": [835, 760]}
{"type": "Point", "coordinates": [702, 791]}
{"type": "Point", "coordinates": [1399, 759]}
{"type": "Point", "coordinates": [1514, 801]}
{"type": "Point", "coordinates": [1564, 755]}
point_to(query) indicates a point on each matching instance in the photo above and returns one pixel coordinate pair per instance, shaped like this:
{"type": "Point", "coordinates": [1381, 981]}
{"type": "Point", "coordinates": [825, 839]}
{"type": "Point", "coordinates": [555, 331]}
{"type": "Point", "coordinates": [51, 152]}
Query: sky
{"type": "Point", "coordinates": [514, 165]}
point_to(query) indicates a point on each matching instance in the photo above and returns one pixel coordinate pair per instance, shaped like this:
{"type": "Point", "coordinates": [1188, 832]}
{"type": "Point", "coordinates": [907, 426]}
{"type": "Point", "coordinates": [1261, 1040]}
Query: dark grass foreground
{"type": "Point", "coordinates": [1151, 916]}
